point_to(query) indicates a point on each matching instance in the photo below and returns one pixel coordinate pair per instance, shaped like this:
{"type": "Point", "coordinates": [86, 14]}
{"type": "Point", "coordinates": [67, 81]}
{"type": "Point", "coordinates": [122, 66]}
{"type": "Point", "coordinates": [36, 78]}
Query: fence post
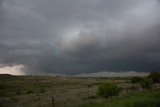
{"type": "Point", "coordinates": [52, 101]}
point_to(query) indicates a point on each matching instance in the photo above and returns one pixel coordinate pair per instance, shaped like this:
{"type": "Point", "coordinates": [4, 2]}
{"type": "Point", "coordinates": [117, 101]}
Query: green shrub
{"type": "Point", "coordinates": [108, 90]}
{"type": "Point", "coordinates": [29, 91]}
{"type": "Point", "coordinates": [42, 90]}
{"type": "Point", "coordinates": [3, 86]}
{"type": "Point", "coordinates": [135, 80]}
{"type": "Point", "coordinates": [18, 92]}
{"type": "Point", "coordinates": [146, 84]}
{"type": "Point", "coordinates": [14, 99]}
{"type": "Point", "coordinates": [92, 97]}
{"type": "Point", "coordinates": [154, 76]}
{"type": "Point", "coordinates": [133, 87]}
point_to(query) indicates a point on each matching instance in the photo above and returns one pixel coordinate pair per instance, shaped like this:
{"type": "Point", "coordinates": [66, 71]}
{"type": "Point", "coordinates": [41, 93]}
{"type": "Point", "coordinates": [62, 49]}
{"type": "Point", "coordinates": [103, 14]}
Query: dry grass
{"type": "Point", "coordinates": [36, 91]}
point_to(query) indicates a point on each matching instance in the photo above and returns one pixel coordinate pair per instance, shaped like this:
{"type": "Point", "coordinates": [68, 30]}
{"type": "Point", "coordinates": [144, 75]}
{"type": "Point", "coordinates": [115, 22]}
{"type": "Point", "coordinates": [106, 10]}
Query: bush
{"type": "Point", "coordinates": [3, 86]}
{"type": "Point", "coordinates": [154, 76]}
{"type": "Point", "coordinates": [42, 90]}
{"type": "Point", "coordinates": [108, 90]}
{"type": "Point", "coordinates": [14, 99]}
{"type": "Point", "coordinates": [135, 80]}
{"type": "Point", "coordinates": [29, 91]}
{"type": "Point", "coordinates": [146, 84]}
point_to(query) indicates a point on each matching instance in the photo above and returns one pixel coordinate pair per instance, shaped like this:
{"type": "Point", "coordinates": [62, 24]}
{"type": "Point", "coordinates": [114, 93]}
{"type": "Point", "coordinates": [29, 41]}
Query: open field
{"type": "Point", "coordinates": [38, 91]}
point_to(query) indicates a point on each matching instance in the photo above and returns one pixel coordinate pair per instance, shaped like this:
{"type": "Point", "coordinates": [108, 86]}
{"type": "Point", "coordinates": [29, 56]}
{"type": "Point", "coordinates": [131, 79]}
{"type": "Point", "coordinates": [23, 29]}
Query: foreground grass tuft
{"type": "Point", "coordinates": [149, 99]}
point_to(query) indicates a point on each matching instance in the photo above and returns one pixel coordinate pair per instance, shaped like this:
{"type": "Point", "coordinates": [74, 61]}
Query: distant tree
{"type": "Point", "coordinates": [154, 76]}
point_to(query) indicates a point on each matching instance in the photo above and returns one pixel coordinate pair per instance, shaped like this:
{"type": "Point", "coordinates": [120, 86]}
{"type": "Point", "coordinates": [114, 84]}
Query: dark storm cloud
{"type": "Point", "coordinates": [71, 37]}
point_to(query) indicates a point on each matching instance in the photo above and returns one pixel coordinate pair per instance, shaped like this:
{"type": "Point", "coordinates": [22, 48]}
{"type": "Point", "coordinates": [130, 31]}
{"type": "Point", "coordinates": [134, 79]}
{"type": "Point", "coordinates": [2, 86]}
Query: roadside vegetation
{"type": "Point", "coordinates": [40, 91]}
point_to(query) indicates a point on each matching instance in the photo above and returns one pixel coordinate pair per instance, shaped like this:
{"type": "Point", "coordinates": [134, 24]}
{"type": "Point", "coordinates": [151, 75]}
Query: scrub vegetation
{"type": "Point", "coordinates": [48, 91]}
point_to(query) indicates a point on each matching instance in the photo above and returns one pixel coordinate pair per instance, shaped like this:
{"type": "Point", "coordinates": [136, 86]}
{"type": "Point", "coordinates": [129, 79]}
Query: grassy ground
{"type": "Point", "coordinates": [147, 99]}
{"type": "Point", "coordinates": [37, 91]}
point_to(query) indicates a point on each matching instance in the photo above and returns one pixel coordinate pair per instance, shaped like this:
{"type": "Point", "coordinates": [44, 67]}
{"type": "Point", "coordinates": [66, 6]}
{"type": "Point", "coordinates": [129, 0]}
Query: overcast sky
{"type": "Point", "coordinates": [75, 37]}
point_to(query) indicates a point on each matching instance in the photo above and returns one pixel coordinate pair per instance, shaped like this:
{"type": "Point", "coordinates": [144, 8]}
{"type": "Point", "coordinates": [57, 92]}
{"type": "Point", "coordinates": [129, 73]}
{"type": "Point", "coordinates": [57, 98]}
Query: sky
{"type": "Point", "coordinates": [77, 37]}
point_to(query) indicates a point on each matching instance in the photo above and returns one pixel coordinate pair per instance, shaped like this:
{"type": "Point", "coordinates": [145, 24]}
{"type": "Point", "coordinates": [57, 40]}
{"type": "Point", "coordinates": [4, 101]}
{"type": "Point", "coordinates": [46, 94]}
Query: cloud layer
{"type": "Point", "coordinates": [74, 37]}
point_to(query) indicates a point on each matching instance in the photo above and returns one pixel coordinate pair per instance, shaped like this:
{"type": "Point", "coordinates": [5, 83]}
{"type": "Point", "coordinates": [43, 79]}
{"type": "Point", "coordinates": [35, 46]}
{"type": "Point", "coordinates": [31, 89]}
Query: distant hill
{"type": "Point", "coordinates": [5, 75]}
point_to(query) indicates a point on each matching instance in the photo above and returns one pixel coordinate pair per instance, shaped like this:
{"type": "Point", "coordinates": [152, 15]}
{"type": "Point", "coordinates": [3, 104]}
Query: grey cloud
{"type": "Point", "coordinates": [74, 37]}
